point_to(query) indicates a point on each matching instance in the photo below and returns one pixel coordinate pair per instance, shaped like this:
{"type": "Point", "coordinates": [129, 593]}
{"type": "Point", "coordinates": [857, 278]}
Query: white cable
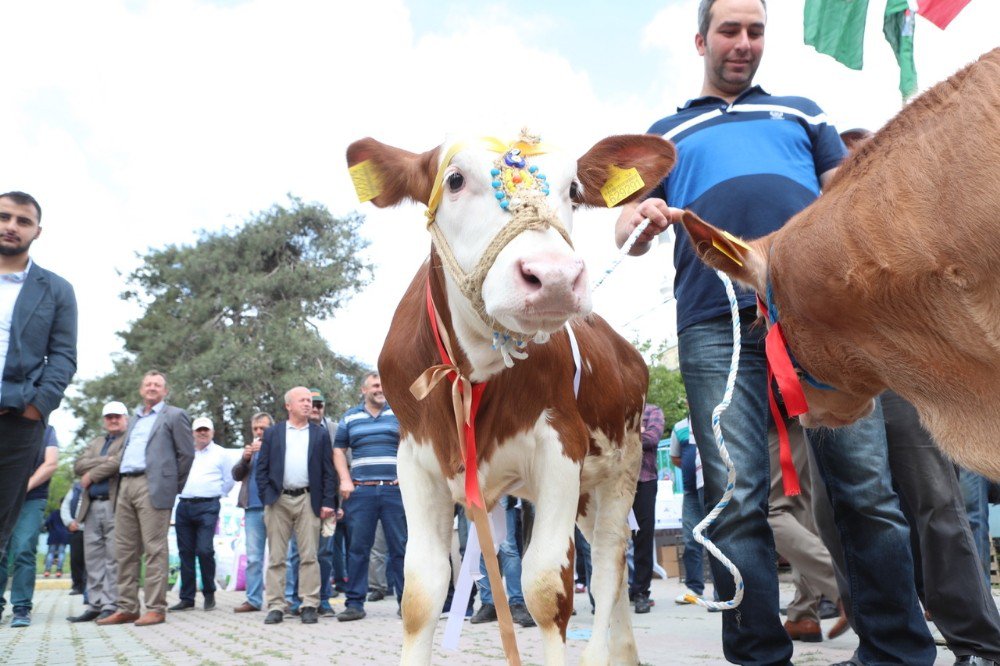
{"type": "Point", "coordinates": [731, 470]}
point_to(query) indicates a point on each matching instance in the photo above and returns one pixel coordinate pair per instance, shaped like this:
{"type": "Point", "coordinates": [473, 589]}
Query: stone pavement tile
{"type": "Point", "coordinates": [670, 634]}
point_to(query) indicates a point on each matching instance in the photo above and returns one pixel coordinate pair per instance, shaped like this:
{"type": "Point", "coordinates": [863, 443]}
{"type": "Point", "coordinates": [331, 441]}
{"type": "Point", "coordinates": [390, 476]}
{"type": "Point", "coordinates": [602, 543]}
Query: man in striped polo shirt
{"type": "Point", "coordinates": [370, 489]}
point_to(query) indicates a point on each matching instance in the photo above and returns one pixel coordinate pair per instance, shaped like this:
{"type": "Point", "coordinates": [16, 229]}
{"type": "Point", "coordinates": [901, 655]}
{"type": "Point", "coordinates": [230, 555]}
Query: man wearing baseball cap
{"type": "Point", "coordinates": [198, 512]}
{"type": "Point", "coordinates": [97, 467]}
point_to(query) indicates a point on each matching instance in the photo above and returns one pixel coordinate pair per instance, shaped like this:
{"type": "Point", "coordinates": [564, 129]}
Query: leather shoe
{"type": "Point", "coordinates": [119, 617]}
{"type": "Point", "coordinates": [209, 602]}
{"type": "Point", "coordinates": [486, 613]}
{"type": "Point", "coordinates": [104, 614]}
{"type": "Point", "coordinates": [88, 615]}
{"type": "Point", "coordinates": [351, 613]}
{"type": "Point", "coordinates": [274, 617]}
{"type": "Point", "coordinates": [309, 615]}
{"type": "Point", "coordinates": [376, 595]}
{"type": "Point", "coordinates": [841, 625]}
{"type": "Point", "coordinates": [807, 631]}
{"type": "Point", "coordinates": [519, 613]}
{"type": "Point", "coordinates": [245, 607]}
{"type": "Point", "coordinates": [151, 617]}
{"type": "Point", "coordinates": [182, 606]}
{"type": "Point", "coordinates": [642, 604]}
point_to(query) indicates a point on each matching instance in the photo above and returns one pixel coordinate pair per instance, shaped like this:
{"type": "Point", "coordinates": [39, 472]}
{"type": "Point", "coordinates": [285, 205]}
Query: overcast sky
{"type": "Point", "coordinates": [136, 124]}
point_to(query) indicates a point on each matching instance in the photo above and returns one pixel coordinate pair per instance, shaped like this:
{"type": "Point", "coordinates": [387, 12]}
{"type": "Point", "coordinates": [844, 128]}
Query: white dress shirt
{"type": "Point", "coordinates": [10, 289]}
{"type": "Point", "coordinates": [296, 457]}
{"type": "Point", "coordinates": [210, 474]}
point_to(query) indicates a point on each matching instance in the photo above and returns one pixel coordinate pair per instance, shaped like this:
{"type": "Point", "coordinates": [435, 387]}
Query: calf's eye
{"type": "Point", "coordinates": [456, 182]}
{"type": "Point", "coordinates": [574, 192]}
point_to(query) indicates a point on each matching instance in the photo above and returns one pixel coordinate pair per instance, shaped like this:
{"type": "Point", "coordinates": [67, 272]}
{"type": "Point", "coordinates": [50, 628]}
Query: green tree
{"type": "Point", "coordinates": [230, 320]}
{"type": "Point", "coordinates": [666, 388]}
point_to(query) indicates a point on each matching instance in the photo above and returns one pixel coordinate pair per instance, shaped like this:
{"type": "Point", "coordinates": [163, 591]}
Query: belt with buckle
{"type": "Point", "coordinates": [195, 500]}
{"type": "Point", "coordinates": [394, 482]}
{"type": "Point", "coordinates": [140, 473]}
{"type": "Point", "coordinates": [295, 492]}
{"type": "Point", "coordinates": [99, 498]}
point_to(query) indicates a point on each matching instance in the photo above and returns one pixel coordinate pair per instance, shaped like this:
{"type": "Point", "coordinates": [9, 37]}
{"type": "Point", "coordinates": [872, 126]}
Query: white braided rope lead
{"type": "Point", "coordinates": [731, 470]}
{"type": "Point", "coordinates": [623, 252]}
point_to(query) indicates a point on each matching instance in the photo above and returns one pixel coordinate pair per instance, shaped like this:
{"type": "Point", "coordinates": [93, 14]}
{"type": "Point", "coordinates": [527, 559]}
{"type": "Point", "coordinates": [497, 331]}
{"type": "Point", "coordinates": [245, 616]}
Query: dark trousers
{"type": "Point", "coordinates": [644, 506]}
{"type": "Point", "coordinates": [366, 506]}
{"type": "Point", "coordinates": [194, 523]}
{"type": "Point", "coordinates": [341, 542]}
{"type": "Point", "coordinates": [20, 439]}
{"type": "Point", "coordinates": [77, 566]}
{"type": "Point", "coordinates": [950, 569]}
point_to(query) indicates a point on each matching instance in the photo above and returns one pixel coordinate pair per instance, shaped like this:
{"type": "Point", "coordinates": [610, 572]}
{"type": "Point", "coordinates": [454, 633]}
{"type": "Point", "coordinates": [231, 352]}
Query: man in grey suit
{"type": "Point", "coordinates": [37, 351]}
{"type": "Point", "coordinates": [156, 459]}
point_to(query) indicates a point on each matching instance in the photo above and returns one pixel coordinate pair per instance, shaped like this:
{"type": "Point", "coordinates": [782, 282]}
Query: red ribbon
{"type": "Point", "coordinates": [473, 494]}
{"type": "Point", "coordinates": [780, 368]}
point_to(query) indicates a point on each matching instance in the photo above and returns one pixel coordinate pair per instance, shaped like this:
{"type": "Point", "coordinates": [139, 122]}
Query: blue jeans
{"type": "Point", "coordinates": [692, 513]}
{"type": "Point", "coordinates": [366, 506]}
{"type": "Point", "coordinates": [255, 535]}
{"type": "Point", "coordinates": [324, 553]}
{"type": "Point", "coordinates": [341, 541]}
{"type": "Point", "coordinates": [55, 556]}
{"type": "Point", "coordinates": [752, 633]}
{"type": "Point", "coordinates": [854, 464]}
{"type": "Point", "coordinates": [292, 575]}
{"type": "Point", "coordinates": [194, 525]}
{"type": "Point", "coordinates": [975, 488]}
{"type": "Point", "coordinates": [510, 564]}
{"type": "Point", "coordinates": [22, 546]}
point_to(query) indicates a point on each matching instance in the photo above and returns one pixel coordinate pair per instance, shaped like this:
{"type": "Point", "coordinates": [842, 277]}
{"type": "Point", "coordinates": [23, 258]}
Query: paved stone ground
{"type": "Point", "coordinates": [669, 635]}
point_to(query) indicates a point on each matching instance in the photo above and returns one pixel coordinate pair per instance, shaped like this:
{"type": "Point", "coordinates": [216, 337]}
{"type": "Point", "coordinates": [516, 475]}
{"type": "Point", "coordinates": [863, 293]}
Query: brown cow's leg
{"type": "Point", "coordinates": [429, 512]}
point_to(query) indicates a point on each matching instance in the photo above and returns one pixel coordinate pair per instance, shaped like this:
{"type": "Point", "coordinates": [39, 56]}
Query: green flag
{"type": "Point", "coordinates": [837, 28]}
{"type": "Point", "coordinates": [898, 30]}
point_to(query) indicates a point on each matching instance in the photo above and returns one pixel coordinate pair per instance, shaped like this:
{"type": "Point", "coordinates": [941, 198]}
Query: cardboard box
{"type": "Point", "coordinates": [668, 557]}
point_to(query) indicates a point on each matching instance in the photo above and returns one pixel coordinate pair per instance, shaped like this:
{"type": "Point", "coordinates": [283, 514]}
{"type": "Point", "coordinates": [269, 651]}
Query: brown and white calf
{"type": "Point", "coordinates": [576, 457]}
{"type": "Point", "coordinates": [891, 279]}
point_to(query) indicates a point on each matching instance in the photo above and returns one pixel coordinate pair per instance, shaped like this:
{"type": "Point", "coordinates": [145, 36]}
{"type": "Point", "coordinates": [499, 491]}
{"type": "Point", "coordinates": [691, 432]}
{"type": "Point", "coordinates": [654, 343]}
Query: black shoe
{"type": "Point", "coordinates": [209, 602]}
{"type": "Point", "coordinates": [376, 595]}
{"type": "Point", "coordinates": [309, 615]}
{"type": "Point", "coordinates": [828, 610]}
{"type": "Point", "coordinates": [641, 603]}
{"type": "Point", "coordinates": [88, 615]}
{"type": "Point", "coordinates": [351, 613]}
{"type": "Point", "coordinates": [325, 610]}
{"type": "Point", "coordinates": [521, 615]}
{"type": "Point", "coordinates": [105, 614]}
{"type": "Point", "coordinates": [974, 660]}
{"type": "Point", "coordinates": [274, 617]}
{"type": "Point", "coordinates": [182, 606]}
{"type": "Point", "coordinates": [486, 613]}
{"type": "Point", "coordinates": [294, 612]}
{"type": "Point", "coordinates": [75, 591]}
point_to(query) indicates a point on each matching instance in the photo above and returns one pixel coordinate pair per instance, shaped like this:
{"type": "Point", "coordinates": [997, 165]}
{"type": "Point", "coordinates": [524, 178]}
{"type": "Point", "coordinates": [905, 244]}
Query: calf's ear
{"type": "Point", "coordinates": [387, 176]}
{"type": "Point", "coordinates": [722, 251]}
{"type": "Point", "coordinates": [624, 168]}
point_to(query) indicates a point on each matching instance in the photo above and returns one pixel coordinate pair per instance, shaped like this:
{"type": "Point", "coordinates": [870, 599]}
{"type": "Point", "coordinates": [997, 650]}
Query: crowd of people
{"type": "Point", "coordinates": [886, 534]}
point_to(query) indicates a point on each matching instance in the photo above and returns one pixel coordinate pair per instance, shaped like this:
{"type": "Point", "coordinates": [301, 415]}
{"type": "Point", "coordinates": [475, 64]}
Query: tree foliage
{"type": "Point", "coordinates": [666, 388]}
{"type": "Point", "coordinates": [230, 320]}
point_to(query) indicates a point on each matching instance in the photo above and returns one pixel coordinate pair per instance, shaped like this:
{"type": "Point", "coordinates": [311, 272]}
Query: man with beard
{"type": "Point", "coordinates": [37, 350]}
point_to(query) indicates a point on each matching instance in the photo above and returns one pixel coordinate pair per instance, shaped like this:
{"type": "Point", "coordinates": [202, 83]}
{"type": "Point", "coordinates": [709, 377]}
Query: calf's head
{"type": "Point", "coordinates": [500, 215]}
{"type": "Point", "coordinates": [746, 262]}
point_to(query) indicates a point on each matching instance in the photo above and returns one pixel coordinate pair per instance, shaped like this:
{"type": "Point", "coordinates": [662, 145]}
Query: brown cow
{"type": "Point", "coordinates": [891, 279]}
{"type": "Point", "coordinates": [575, 456]}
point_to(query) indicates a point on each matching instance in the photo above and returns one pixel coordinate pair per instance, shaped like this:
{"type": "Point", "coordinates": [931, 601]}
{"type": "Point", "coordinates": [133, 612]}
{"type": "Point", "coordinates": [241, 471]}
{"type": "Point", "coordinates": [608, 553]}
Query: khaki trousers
{"type": "Point", "coordinates": [287, 515]}
{"type": "Point", "coordinates": [795, 534]}
{"type": "Point", "coordinates": [99, 555]}
{"type": "Point", "coordinates": [140, 528]}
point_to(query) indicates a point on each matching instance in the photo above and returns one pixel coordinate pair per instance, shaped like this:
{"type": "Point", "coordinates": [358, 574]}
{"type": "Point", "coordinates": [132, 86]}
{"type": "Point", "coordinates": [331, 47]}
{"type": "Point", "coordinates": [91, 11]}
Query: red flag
{"type": "Point", "coordinates": [940, 12]}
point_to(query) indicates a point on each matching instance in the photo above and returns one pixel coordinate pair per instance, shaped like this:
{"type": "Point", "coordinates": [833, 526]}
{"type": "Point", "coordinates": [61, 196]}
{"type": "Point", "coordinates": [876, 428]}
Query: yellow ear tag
{"type": "Point", "coordinates": [621, 184]}
{"type": "Point", "coordinates": [724, 250]}
{"type": "Point", "coordinates": [734, 240]}
{"type": "Point", "coordinates": [366, 180]}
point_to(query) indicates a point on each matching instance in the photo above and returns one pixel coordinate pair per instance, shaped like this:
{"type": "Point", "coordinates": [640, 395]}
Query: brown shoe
{"type": "Point", "coordinates": [841, 625]}
{"type": "Point", "coordinates": [245, 607]}
{"type": "Point", "coordinates": [151, 617]}
{"type": "Point", "coordinates": [807, 631]}
{"type": "Point", "coordinates": [119, 617]}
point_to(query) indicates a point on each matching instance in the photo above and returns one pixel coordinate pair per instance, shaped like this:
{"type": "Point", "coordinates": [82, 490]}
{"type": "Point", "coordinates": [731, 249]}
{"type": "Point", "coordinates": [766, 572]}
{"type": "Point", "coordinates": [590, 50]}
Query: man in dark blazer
{"type": "Point", "coordinates": [37, 351]}
{"type": "Point", "coordinates": [298, 487]}
{"type": "Point", "coordinates": [155, 461]}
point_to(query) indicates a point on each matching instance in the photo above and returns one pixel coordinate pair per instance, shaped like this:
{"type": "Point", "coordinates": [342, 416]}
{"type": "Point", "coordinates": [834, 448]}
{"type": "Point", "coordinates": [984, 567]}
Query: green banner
{"type": "Point", "coordinates": [837, 28]}
{"type": "Point", "coordinates": [898, 30]}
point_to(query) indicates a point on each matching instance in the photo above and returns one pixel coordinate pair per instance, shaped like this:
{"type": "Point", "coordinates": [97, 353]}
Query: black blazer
{"type": "Point", "coordinates": [324, 486]}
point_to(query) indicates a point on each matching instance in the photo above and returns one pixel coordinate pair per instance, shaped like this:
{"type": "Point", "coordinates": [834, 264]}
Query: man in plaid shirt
{"type": "Point", "coordinates": [644, 507]}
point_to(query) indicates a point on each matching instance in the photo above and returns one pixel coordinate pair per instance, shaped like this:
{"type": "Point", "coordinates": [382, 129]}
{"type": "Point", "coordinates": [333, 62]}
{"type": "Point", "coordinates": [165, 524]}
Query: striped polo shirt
{"type": "Point", "coordinates": [373, 441]}
{"type": "Point", "coordinates": [746, 167]}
